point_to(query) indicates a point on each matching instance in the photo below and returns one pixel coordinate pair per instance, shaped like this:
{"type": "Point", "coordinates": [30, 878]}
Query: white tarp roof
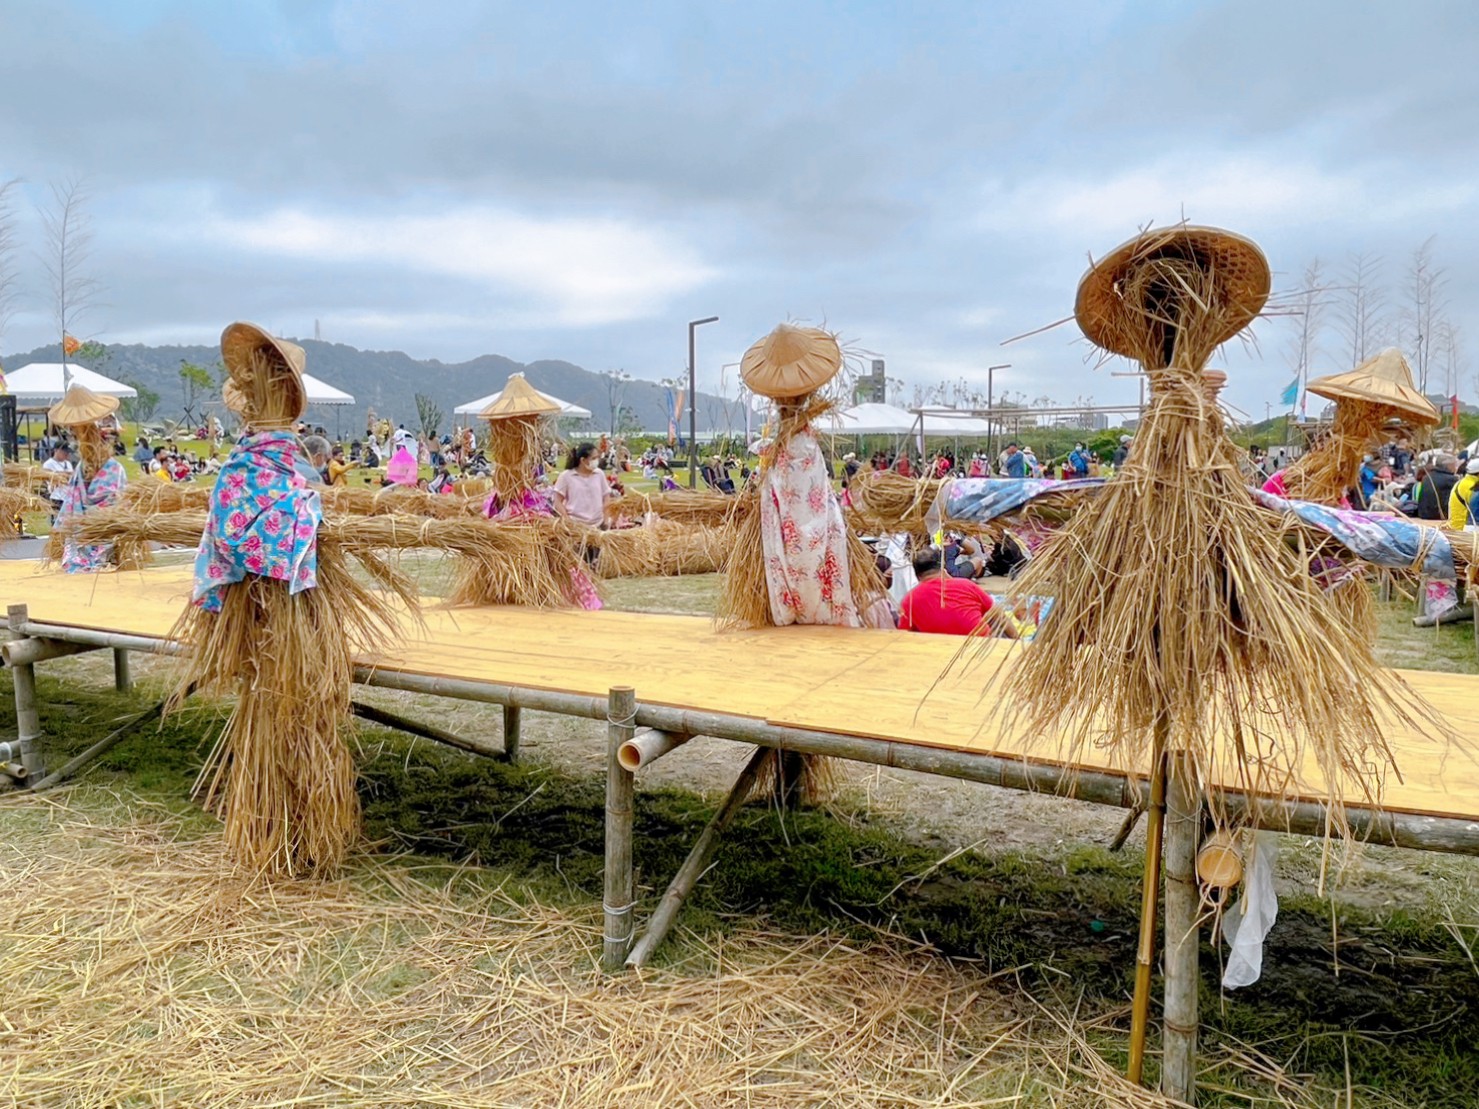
{"type": "Point", "coordinates": [868, 419]}
{"type": "Point", "coordinates": [321, 392]}
{"type": "Point", "coordinates": [950, 423]}
{"type": "Point", "coordinates": [41, 383]}
{"type": "Point", "coordinates": [567, 410]}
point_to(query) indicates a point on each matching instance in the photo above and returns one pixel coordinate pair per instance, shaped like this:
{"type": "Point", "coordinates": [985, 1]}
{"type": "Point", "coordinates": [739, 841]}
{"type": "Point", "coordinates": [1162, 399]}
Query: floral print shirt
{"type": "Point", "coordinates": [81, 496]}
{"type": "Point", "coordinates": [263, 520]}
{"type": "Point", "coordinates": [804, 539]}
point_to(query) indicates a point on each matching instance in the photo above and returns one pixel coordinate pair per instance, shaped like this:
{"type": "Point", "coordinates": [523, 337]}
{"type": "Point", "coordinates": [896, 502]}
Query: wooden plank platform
{"type": "Point", "coordinates": [881, 685]}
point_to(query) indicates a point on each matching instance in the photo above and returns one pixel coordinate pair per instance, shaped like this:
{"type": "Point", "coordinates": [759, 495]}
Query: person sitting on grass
{"type": "Point", "coordinates": [944, 605]}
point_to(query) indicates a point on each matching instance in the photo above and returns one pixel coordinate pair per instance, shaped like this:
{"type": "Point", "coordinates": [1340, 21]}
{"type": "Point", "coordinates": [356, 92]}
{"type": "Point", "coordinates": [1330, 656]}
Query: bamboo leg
{"type": "Point", "coordinates": [425, 731]}
{"type": "Point", "coordinates": [619, 899]}
{"type": "Point", "coordinates": [122, 679]}
{"type": "Point", "coordinates": [27, 721]}
{"type": "Point", "coordinates": [1150, 884]}
{"type": "Point", "coordinates": [697, 862]}
{"type": "Point", "coordinates": [512, 727]}
{"type": "Point", "coordinates": [1183, 904]}
{"type": "Point", "coordinates": [98, 749]}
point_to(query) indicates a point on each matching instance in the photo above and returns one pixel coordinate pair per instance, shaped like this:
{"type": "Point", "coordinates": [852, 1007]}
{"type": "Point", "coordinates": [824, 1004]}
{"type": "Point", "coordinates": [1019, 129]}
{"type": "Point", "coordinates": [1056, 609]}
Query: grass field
{"type": "Point", "coordinates": [894, 949]}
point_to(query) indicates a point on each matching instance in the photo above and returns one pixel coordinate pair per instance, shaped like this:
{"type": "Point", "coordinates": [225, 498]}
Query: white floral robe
{"type": "Point", "coordinates": [804, 539]}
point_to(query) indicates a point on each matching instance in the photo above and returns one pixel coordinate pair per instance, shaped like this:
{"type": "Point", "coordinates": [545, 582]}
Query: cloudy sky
{"type": "Point", "coordinates": [578, 180]}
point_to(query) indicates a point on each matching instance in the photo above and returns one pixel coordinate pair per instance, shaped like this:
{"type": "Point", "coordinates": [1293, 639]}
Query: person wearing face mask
{"type": "Point", "coordinates": [582, 490]}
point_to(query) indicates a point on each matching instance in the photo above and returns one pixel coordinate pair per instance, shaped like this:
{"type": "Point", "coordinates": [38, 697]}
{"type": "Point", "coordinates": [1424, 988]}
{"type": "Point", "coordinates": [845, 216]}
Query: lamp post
{"type": "Point", "coordinates": [990, 402]}
{"type": "Point", "coordinates": [693, 325]}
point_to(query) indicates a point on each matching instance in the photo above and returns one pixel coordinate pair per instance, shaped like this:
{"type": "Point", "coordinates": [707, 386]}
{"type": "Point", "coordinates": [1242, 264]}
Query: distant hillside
{"type": "Point", "coordinates": [388, 381]}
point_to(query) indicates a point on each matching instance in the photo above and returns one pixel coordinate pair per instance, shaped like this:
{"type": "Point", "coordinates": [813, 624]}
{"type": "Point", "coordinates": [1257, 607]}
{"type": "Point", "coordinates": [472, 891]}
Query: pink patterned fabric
{"type": "Point", "coordinates": [81, 496]}
{"type": "Point", "coordinates": [804, 539]}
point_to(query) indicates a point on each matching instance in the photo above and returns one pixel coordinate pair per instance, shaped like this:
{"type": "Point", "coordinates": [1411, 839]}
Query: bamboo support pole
{"type": "Point", "coordinates": [98, 749]}
{"type": "Point", "coordinates": [1150, 884]}
{"type": "Point", "coordinates": [696, 863]}
{"type": "Point", "coordinates": [647, 746]}
{"type": "Point", "coordinates": [1183, 905]}
{"type": "Point", "coordinates": [122, 679]}
{"type": "Point", "coordinates": [23, 652]}
{"type": "Point", "coordinates": [425, 731]}
{"type": "Point", "coordinates": [1451, 834]}
{"type": "Point", "coordinates": [513, 726]}
{"type": "Point", "coordinates": [619, 899]}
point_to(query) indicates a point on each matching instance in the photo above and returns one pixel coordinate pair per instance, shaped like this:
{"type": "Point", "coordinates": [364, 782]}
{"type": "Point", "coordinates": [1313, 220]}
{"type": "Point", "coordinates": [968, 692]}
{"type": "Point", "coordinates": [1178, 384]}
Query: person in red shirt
{"type": "Point", "coordinates": [945, 605]}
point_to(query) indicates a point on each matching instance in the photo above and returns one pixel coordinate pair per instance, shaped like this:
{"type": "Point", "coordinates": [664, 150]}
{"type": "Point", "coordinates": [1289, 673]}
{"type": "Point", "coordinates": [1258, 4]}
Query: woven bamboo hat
{"type": "Point", "coordinates": [1385, 379]}
{"type": "Point", "coordinates": [518, 398]}
{"type": "Point", "coordinates": [81, 406]}
{"type": "Point", "coordinates": [791, 362]}
{"type": "Point", "coordinates": [241, 340]}
{"type": "Point", "coordinates": [1239, 269]}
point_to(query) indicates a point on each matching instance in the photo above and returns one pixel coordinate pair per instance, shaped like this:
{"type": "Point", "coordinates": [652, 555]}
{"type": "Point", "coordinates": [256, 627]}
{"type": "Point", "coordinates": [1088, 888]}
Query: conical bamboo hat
{"type": "Point", "coordinates": [518, 398]}
{"type": "Point", "coordinates": [1385, 379]}
{"type": "Point", "coordinates": [81, 406]}
{"type": "Point", "coordinates": [1238, 267]}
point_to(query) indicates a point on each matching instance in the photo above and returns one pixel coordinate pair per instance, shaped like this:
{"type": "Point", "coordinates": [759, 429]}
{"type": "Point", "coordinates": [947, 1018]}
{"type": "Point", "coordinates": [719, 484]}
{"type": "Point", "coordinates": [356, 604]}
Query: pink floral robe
{"type": "Point", "coordinates": [804, 539]}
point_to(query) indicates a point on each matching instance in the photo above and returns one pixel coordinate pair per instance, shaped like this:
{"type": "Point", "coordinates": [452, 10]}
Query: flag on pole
{"type": "Point", "coordinates": [1291, 394]}
{"type": "Point", "coordinates": [70, 345]}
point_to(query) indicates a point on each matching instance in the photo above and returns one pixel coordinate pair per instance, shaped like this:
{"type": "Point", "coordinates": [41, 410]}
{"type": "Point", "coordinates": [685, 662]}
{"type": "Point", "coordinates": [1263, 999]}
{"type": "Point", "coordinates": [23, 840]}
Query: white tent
{"type": "Point", "coordinates": [868, 419]}
{"type": "Point", "coordinates": [568, 411]}
{"type": "Point", "coordinates": [41, 383]}
{"type": "Point", "coordinates": [952, 424]}
{"type": "Point", "coordinates": [321, 392]}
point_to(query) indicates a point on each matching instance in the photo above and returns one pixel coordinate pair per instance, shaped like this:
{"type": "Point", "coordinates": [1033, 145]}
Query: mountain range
{"type": "Point", "coordinates": [388, 382]}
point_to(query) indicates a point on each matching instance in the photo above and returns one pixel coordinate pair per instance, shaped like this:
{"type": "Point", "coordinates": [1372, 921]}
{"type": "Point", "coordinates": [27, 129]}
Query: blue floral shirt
{"type": "Point", "coordinates": [263, 520]}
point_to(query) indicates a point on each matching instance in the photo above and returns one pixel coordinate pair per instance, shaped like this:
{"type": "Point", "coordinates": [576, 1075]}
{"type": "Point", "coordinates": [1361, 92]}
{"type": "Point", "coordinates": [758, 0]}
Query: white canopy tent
{"type": "Point", "coordinates": [41, 384]}
{"type": "Point", "coordinates": [952, 424]}
{"type": "Point", "coordinates": [321, 392]}
{"type": "Point", "coordinates": [868, 419]}
{"type": "Point", "coordinates": [568, 411]}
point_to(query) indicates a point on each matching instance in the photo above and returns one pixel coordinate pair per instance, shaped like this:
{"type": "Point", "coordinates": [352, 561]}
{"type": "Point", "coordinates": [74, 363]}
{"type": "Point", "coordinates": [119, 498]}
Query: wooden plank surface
{"type": "Point", "coordinates": [877, 684]}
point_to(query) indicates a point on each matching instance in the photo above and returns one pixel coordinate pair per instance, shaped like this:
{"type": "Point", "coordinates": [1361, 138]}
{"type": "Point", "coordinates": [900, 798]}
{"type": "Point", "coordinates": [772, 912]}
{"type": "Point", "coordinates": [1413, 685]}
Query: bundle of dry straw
{"type": "Point", "coordinates": [705, 508]}
{"type": "Point", "coordinates": [888, 502]}
{"type": "Point", "coordinates": [659, 549]}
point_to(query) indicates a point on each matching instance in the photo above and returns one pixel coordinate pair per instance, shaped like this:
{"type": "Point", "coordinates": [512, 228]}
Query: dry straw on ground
{"type": "Point", "coordinates": [139, 971]}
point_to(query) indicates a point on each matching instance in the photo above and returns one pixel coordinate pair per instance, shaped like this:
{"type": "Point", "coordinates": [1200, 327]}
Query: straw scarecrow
{"type": "Point", "coordinates": [274, 619]}
{"type": "Point", "coordinates": [1369, 401]}
{"type": "Point", "coordinates": [97, 482]}
{"type": "Point", "coordinates": [793, 559]}
{"type": "Point", "coordinates": [1188, 635]}
{"type": "Point", "coordinates": [532, 557]}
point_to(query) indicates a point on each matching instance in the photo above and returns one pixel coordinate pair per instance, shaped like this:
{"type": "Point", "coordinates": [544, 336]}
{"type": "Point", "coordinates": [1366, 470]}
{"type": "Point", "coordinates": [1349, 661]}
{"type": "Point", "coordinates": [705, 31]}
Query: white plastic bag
{"type": "Point", "coordinates": [1246, 923]}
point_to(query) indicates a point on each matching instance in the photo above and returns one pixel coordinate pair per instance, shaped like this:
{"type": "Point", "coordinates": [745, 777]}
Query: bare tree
{"type": "Point", "coordinates": [1448, 356]}
{"type": "Point", "coordinates": [68, 250]}
{"type": "Point", "coordinates": [9, 271]}
{"type": "Point", "coordinates": [1422, 316]}
{"type": "Point", "coordinates": [1362, 314]}
{"type": "Point", "coordinates": [1309, 306]}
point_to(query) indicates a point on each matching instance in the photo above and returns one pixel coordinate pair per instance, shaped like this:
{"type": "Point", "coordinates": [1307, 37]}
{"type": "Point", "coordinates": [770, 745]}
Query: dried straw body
{"type": "Point", "coordinates": [396, 500]}
{"type": "Point", "coordinates": [282, 775]}
{"type": "Point", "coordinates": [1332, 467]}
{"type": "Point", "coordinates": [151, 495]}
{"type": "Point", "coordinates": [513, 448]}
{"type": "Point", "coordinates": [1178, 599]}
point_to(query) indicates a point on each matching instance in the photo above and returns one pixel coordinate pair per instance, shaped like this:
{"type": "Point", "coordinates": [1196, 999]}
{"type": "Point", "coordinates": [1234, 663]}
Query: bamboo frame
{"type": "Point", "coordinates": [619, 899]}
{"type": "Point", "coordinates": [1450, 834]}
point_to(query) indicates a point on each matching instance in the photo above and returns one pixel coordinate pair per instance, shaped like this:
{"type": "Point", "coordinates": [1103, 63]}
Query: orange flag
{"type": "Point", "coordinates": [70, 345]}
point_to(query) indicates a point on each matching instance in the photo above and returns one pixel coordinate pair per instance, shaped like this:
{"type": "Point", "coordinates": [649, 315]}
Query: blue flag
{"type": "Point", "coordinates": [1291, 394]}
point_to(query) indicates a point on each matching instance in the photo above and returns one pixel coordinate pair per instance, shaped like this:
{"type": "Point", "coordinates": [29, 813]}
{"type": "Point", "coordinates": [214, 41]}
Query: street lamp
{"type": "Point", "coordinates": [990, 422]}
{"type": "Point", "coordinates": [693, 325]}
